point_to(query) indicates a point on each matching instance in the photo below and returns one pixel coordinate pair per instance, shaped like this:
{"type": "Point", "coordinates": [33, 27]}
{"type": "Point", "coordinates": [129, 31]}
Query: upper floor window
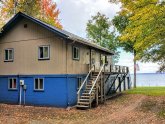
{"type": "Point", "coordinates": [44, 52]}
{"type": "Point", "coordinates": [12, 84]}
{"type": "Point", "coordinates": [76, 53]}
{"type": "Point", "coordinates": [9, 54]}
{"type": "Point", "coordinates": [39, 84]}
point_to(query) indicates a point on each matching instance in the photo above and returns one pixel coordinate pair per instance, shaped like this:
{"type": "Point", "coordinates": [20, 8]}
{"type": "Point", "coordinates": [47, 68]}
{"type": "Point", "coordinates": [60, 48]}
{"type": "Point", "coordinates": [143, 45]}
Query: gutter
{"type": "Point", "coordinates": [92, 45]}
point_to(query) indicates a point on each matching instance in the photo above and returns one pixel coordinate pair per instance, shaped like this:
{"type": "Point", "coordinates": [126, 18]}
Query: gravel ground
{"type": "Point", "coordinates": [127, 108]}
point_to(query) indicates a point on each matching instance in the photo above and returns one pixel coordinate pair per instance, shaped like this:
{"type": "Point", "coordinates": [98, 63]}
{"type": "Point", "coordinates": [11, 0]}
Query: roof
{"type": "Point", "coordinates": [61, 33]}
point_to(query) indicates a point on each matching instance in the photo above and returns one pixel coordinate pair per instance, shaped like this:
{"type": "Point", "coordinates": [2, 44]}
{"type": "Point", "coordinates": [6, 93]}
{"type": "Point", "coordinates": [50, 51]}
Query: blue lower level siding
{"type": "Point", "coordinates": [59, 90]}
{"type": "Point", "coordinates": [6, 95]}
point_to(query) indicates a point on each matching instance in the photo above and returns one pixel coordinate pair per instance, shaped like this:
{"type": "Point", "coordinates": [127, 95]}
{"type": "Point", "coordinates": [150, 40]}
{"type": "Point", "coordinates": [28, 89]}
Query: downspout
{"type": "Point", "coordinates": [67, 74]}
{"type": "Point", "coordinates": [20, 90]}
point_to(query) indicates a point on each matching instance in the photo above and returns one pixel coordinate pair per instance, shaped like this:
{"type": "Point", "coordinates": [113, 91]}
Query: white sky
{"type": "Point", "coordinates": [76, 13]}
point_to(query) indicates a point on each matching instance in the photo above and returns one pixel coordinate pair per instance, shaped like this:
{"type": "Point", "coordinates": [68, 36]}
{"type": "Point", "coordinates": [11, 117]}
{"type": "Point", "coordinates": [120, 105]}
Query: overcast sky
{"type": "Point", "coordinates": [76, 13]}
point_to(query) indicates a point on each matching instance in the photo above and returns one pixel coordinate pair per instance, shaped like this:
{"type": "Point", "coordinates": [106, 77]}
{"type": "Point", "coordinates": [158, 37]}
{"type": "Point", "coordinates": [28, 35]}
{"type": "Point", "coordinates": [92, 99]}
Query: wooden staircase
{"type": "Point", "coordinates": [92, 90]}
{"type": "Point", "coordinates": [86, 99]}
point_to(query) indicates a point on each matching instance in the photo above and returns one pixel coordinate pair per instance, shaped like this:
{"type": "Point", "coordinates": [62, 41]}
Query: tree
{"type": "Point", "coordinates": [50, 12]}
{"type": "Point", "coordinates": [33, 8]}
{"type": "Point", "coordinates": [147, 27]}
{"type": "Point", "coordinates": [121, 22]}
{"type": "Point", "coordinates": [98, 30]}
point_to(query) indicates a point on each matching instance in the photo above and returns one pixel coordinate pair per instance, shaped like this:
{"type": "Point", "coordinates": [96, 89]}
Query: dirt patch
{"type": "Point", "coordinates": [133, 109]}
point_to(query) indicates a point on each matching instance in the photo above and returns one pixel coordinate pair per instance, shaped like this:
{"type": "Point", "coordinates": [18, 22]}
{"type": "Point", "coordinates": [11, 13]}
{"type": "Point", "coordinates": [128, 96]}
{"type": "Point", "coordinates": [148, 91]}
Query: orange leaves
{"type": "Point", "coordinates": [46, 10]}
{"type": "Point", "coordinates": [50, 12]}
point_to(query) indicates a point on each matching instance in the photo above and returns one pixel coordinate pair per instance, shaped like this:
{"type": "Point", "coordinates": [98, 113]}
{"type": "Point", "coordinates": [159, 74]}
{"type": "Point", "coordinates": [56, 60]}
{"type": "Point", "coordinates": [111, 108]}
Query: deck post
{"type": "Point", "coordinates": [101, 85]}
{"type": "Point", "coordinates": [104, 84]}
{"type": "Point", "coordinates": [119, 84]}
{"type": "Point", "coordinates": [97, 96]}
{"type": "Point", "coordinates": [90, 101]}
{"type": "Point", "coordinates": [110, 68]}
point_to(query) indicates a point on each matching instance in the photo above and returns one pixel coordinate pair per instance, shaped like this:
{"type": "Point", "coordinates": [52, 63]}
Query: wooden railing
{"type": "Point", "coordinates": [119, 69]}
{"type": "Point", "coordinates": [94, 83]}
{"type": "Point", "coordinates": [84, 82]}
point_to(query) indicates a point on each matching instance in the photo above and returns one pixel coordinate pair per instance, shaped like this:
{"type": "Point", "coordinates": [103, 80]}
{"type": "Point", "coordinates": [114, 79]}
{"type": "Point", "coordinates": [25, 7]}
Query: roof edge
{"type": "Point", "coordinates": [59, 32]}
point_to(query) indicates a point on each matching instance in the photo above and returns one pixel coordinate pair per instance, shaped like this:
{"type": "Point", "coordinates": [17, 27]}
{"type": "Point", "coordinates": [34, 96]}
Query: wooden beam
{"type": "Point", "coordinates": [97, 96]}
{"type": "Point", "coordinates": [101, 85]}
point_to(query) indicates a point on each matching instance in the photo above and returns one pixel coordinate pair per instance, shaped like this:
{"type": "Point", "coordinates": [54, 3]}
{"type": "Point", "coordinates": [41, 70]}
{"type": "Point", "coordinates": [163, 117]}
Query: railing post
{"type": "Point", "coordinates": [102, 81]}
{"type": "Point", "coordinates": [78, 97]}
{"type": "Point", "coordinates": [90, 101]}
{"type": "Point", "coordinates": [97, 96]}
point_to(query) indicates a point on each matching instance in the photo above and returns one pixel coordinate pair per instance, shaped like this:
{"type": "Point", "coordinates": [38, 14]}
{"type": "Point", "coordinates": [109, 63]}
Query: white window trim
{"type": "Point", "coordinates": [45, 58]}
{"type": "Point", "coordinates": [12, 84]}
{"type": "Point", "coordinates": [9, 60]}
{"type": "Point", "coordinates": [39, 84]}
{"type": "Point", "coordinates": [78, 53]}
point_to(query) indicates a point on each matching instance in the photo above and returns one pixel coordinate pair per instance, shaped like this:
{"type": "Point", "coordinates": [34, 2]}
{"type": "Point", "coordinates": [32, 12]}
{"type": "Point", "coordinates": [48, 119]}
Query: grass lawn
{"type": "Point", "coordinates": [150, 91]}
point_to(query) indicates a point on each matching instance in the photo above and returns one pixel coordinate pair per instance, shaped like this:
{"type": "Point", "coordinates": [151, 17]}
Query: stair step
{"type": "Point", "coordinates": [82, 106]}
{"type": "Point", "coordinates": [90, 89]}
{"type": "Point", "coordinates": [89, 85]}
{"type": "Point", "coordinates": [83, 99]}
{"type": "Point", "coordinates": [83, 103]}
{"type": "Point", "coordinates": [95, 72]}
{"type": "Point", "coordinates": [86, 97]}
{"type": "Point", "coordinates": [88, 93]}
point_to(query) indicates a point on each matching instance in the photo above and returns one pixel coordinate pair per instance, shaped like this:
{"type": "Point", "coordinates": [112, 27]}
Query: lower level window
{"type": "Point", "coordinates": [79, 82]}
{"type": "Point", "coordinates": [12, 83]}
{"type": "Point", "coordinates": [39, 84]}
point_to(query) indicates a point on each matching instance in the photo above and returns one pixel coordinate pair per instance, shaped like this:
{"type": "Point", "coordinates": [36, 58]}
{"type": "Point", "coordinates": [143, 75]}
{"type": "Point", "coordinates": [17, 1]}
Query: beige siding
{"type": "Point", "coordinates": [78, 66]}
{"type": "Point", "coordinates": [25, 42]}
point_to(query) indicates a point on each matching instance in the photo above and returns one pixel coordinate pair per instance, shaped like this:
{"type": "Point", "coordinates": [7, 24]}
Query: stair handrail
{"type": "Point", "coordinates": [85, 80]}
{"type": "Point", "coordinates": [97, 78]}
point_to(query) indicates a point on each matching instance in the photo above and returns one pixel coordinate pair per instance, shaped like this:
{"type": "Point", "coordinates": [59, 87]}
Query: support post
{"type": "Point", "coordinates": [101, 85]}
{"type": "Point", "coordinates": [119, 84]}
{"type": "Point", "coordinates": [110, 68]}
{"type": "Point", "coordinates": [90, 101]}
{"type": "Point", "coordinates": [97, 96]}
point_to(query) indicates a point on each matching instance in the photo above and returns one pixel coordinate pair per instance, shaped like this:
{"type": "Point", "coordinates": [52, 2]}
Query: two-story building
{"type": "Point", "coordinates": [50, 63]}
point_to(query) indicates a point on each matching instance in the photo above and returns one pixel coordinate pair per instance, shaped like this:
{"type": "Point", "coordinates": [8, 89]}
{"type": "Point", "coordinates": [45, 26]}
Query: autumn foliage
{"type": "Point", "coordinates": [50, 12]}
{"type": "Point", "coordinates": [45, 10]}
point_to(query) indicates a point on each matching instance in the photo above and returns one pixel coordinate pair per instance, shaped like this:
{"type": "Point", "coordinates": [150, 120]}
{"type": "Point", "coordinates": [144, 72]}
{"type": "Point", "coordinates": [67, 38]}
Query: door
{"type": "Point", "coordinates": [95, 59]}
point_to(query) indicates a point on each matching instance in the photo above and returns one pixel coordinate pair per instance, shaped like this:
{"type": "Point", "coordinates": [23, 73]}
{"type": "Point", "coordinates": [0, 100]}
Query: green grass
{"type": "Point", "coordinates": [150, 91]}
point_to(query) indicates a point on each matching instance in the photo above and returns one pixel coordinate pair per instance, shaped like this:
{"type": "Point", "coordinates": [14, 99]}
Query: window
{"type": "Point", "coordinates": [44, 52]}
{"type": "Point", "coordinates": [79, 82]}
{"type": "Point", "coordinates": [76, 53]}
{"type": "Point", "coordinates": [9, 54]}
{"type": "Point", "coordinates": [39, 84]}
{"type": "Point", "coordinates": [12, 83]}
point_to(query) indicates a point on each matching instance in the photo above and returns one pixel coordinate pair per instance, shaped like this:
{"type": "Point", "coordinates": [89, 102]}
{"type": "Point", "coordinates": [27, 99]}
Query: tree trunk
{"type": "Point", "coordinates": [15, 5]}
{"type": "Point", "coordinates": [134, 69]}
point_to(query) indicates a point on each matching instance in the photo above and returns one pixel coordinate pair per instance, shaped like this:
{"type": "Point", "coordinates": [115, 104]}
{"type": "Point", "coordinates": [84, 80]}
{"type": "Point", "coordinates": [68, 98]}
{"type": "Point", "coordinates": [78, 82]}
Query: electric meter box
{"type": "Point", "coordinates": [21, 82]}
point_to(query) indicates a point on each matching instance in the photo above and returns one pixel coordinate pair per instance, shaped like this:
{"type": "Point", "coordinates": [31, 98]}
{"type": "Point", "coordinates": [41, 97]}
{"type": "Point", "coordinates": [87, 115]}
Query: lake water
{"type": "Point", "coordinates": [150, 79]}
